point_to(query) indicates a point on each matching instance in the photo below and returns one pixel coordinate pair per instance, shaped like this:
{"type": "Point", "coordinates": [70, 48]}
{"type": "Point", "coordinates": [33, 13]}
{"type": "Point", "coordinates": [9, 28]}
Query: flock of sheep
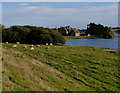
{"type": "Point", "coordinates": [32, 47]}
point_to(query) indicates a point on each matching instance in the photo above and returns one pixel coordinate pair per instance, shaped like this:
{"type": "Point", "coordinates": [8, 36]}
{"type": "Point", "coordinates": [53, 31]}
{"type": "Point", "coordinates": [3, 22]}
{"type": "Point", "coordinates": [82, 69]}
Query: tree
{"type": "Point", "coordinates": [22, 33]}
{"type": "Point", "coordinates": [99, 30]}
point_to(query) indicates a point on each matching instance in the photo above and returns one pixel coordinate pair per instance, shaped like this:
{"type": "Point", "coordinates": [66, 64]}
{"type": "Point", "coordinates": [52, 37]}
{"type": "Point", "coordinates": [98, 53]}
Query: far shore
{"type": "Point", "coordinates": [85, 37]}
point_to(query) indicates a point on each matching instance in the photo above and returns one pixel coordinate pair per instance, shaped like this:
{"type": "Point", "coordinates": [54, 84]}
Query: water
{"type": "Point", "coordinates": [117, 34]}
{"type": "Point", "coordinates": [106, 43]}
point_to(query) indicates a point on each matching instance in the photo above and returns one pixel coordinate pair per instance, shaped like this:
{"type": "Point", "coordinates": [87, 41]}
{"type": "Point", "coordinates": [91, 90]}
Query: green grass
{"type": "Point", "coordinates": [60, 68]}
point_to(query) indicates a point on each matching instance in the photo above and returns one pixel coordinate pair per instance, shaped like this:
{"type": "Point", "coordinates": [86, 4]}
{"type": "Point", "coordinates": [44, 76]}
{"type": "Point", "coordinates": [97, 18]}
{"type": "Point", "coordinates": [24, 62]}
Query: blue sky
{"type": "Point", "coordinates": [56, 14]}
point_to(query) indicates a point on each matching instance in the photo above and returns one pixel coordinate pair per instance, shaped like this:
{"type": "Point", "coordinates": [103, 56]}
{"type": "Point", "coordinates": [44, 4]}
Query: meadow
{"type": "Point", "coordinates": [59, 68]}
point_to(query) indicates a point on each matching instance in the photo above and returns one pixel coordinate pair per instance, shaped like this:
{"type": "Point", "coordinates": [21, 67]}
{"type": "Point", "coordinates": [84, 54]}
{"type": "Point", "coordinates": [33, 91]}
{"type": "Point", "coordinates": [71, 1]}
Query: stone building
{"type": "Point", "coordinates": [68, 31]}
{"type": "Point", "coordinates": [75, 33]}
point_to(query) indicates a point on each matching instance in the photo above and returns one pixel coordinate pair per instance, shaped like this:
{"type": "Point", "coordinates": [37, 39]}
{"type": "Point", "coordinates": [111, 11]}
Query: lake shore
{"type": "Point", "coordinates": [84, 37]}
{"type": "Point", "coordinates": [77, 68]}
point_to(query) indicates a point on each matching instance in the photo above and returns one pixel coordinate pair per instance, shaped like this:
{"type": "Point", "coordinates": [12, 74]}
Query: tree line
{"type": "Point", "coordinates": [40, 35]}
{"type": "Point", "coordinates": [31, 35]}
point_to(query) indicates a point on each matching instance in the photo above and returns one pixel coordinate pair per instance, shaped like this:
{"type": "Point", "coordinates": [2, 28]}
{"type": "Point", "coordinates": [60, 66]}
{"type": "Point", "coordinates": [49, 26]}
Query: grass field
{"type": "Point", "coordinates": [59, 68]}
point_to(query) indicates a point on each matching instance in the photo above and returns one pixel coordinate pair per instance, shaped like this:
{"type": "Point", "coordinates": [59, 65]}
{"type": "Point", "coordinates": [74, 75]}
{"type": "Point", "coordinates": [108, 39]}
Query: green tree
{"type": "Point", "coordinates": [22, 33]}
{"type": "Point", "coordinates": [99, 30]}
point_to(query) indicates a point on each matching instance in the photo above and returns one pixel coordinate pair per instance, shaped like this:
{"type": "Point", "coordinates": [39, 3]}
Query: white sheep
{"type": "Point", "coordinates": [51, 44]}
{"type": "Point", "coordinates": [6, 42]}
{"type": "Point", "coordinates": [14, 46]}
{"type": "Point", "coordinates": [17, 43]}
{"type": "Point", "coordinates": [24, 46]}
{"type": "Point", "coordinates": [32, 48]}
{"type": "Point", "coordinates": [46, 43]}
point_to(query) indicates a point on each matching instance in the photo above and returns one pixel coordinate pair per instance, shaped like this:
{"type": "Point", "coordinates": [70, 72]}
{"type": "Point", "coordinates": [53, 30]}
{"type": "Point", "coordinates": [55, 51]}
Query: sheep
{"type": "Point", "coordinates": [24, 46]}
{"type": "Point", "coordinates": [14, 46]}
{"type": "Point", "coordinates": [17, 43]}
{"type": "Point", "coordinates": [32, 48]}
{"type": "Point", "coordinates": [46, 43]}
{"type": "Point", "coordinates": [51, 44]}
{"type": "Point", "coordinates": [6, 42]}
{"type": "Point", "coordinates": [31, 45]}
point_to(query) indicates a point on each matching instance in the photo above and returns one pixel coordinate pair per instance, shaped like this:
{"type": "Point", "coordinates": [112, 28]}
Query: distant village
{"type": "Point", "coordinates": [69, 31]}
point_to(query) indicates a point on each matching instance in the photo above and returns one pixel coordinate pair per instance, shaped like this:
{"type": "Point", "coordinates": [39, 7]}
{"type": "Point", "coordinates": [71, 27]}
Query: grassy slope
{"type": "Point", "coordinates": [59, 68]}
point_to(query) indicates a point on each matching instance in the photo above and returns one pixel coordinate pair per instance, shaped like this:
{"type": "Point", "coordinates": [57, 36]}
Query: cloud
{"type": "Point", "coordinates": [30, 8]}
{"type": "Point", "coordinates": [48, 16]}
{"type": "Point", "coordinates": [61, 1]}
{"type": "Point", "coordinates": [45, 10]}
{"type": "Point", "coordinates": [23, 4]}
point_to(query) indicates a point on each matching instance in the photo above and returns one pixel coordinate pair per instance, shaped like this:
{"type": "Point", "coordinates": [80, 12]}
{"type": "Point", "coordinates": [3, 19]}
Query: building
{"type": "Point", "coordinates": [69, 31]}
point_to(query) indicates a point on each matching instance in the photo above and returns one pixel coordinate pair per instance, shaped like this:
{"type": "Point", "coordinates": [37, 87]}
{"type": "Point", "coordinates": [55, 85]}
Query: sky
{"type": "Point", "coordinates": [56, 14]}
{"type": "Point", "coordinates": [60, 0]}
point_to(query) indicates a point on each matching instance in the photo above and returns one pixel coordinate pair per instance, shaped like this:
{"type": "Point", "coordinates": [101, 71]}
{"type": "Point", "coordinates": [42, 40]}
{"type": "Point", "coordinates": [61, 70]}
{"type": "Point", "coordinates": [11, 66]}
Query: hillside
{"type": "Point", "coordinates": [59, 68]}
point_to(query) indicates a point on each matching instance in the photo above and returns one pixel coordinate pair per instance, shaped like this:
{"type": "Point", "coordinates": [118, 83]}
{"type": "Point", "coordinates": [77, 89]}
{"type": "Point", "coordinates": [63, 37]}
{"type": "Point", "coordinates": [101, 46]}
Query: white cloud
{"type": "Point", "coordinates": [30, 8]}
{"type": "Point", "coordinates": [61, 1]}
{"type": "Point", "coordinates": [68, 11]}
{"type": "Point", "coordinates": [48, 16]}
{"type": "Point", "coordinates": [23, 4]}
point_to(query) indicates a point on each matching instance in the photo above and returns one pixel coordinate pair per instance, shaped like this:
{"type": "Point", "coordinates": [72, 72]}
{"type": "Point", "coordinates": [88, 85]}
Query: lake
{"type": "Point", "coordinates": [106, 43]}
